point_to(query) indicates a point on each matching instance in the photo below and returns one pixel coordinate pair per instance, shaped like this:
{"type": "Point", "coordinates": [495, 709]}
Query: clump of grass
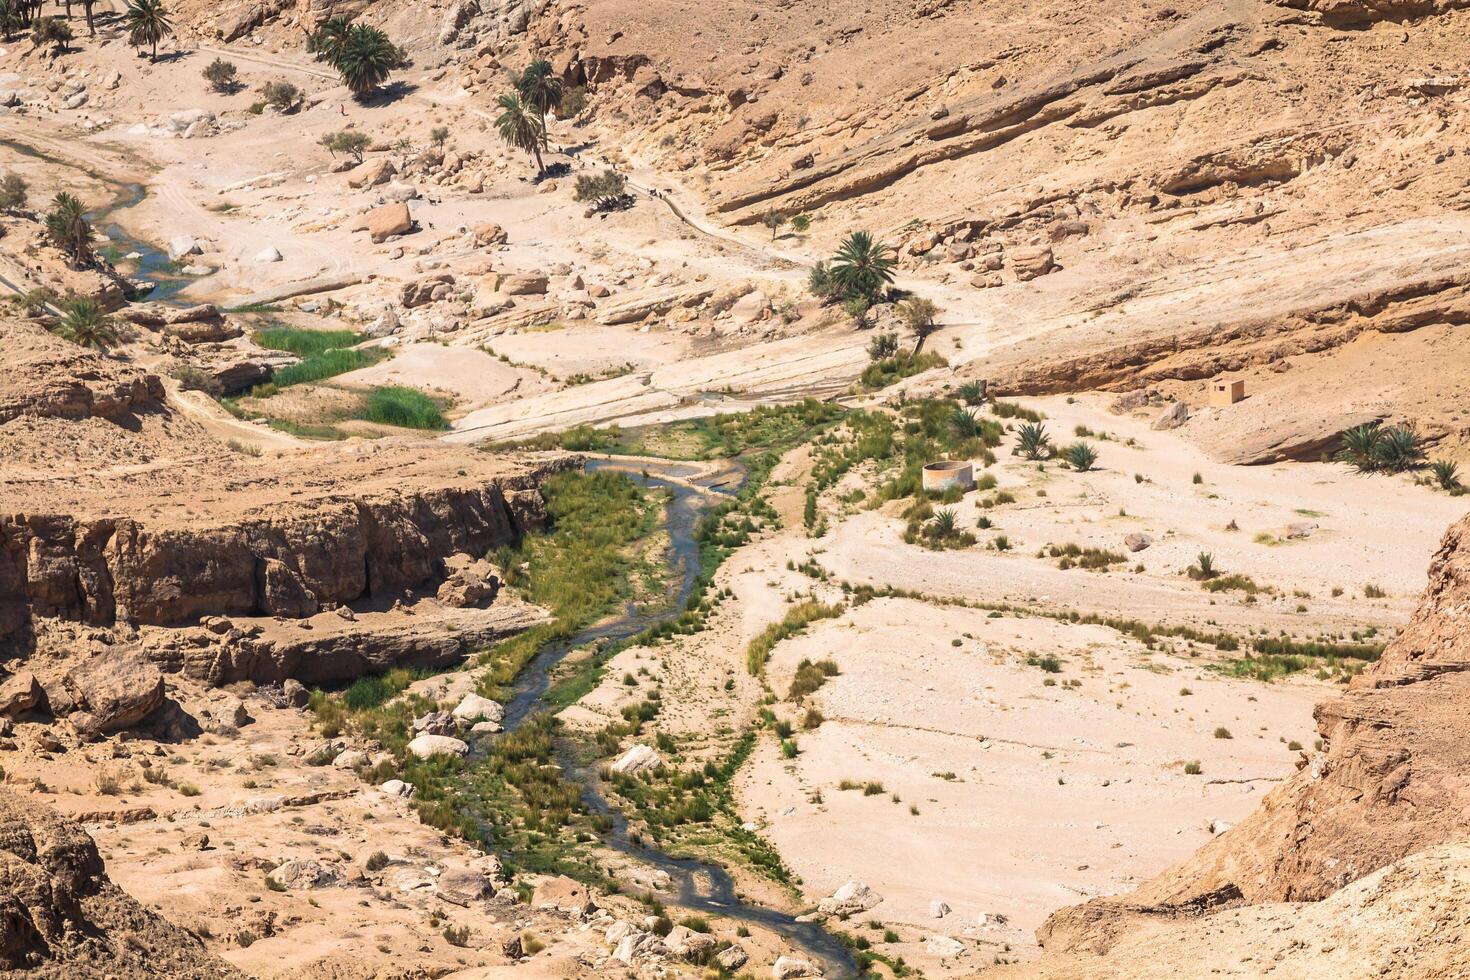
{"type": "Point", "coordinates": [1223, 732]}
{"type": "Point", "coordinates": [810, 677]}
{"type": "Point", "coordinates": [324, 354]}
{"type": "Point", "coordinates": [405, 407]}
{"type": "Point", "coordinates": [797, 618]}
{"type": "Point", "coordinates": [1193, 768]}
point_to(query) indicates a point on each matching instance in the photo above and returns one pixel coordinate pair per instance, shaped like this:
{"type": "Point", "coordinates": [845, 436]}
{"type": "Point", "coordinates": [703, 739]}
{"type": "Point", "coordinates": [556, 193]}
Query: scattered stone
{"type": "Point", "coordinates": [350, 759]}
{"type": "Point", "coordinates": [733, 957]}
{"type": "Point", "coordinates": [476, 708]}
{"type": "Point", "coordinates": [463, 887]}
{"type": "Point", "coordinates": [688, 944]}
{"type": "Point", "coordinates": [1300, 529]}
{"type": "Point", "coordinates": [397, 787]}
{"type": "Point", "coordinates": [792, 967]}
{"type": "Point", "coordinates": [523, 285]}
{"type": "Point", "coordinates": [938, 909]}
{"type": "Point", "coordinates": [372, 173]}
{"type": "Point", "coordinates": [1137, 541]}
{"type": "Point", "coordinates": [943, 947]}
{"type": "Point", "coordinates": [269, 254]}
{"type": "Point", "coordinates": [19, 693]}
{"type": "Point", "coordinates": [183, 245]}
{"type": "Point", "coordinates": [300, 875]}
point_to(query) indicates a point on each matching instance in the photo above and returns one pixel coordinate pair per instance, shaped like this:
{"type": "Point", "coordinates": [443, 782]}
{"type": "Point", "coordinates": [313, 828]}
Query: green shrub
{"type": "Point", "coordinates": [407, 408]}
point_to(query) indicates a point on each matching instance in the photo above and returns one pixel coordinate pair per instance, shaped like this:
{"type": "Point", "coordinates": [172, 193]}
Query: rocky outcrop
{"type": "Point", "coordinates": [108, 694]}
{"type": "Point", "coordinates": [284, 559]}
{"type": "Point", "coordinates": [63, 918]}
{"type": "Point", "coordinates": [1388, 782]}
{"type": "Point", "coordinates": [49, 378]}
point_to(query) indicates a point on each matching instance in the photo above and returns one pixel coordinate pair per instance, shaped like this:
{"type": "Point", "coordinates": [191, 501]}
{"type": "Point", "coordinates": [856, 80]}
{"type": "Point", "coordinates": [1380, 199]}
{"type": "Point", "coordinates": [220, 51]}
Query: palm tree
{"type": "Point", "coordinates": [148, 23]}
{"type": "Point", "coordinates": [366, 59]}
{"type": "Point", "coordinates": [11, 18]}
{"type": "Point", "coordinates": [327, 41]}
{"type": "Point", "coordinates": [84, 323]}
{"type": "Point", "coordinates": [1400, 449]}
{"type": "Point", "coordinates": [87, 6]}
{"type": "Point", "coordinates": [1080, 456]}
{"type": "Point", "coordinates": [66, 226]}
{"type": "Point", "coordinates": [1360, 446]}
{"type": "Point", "coordinates": [519, 128]}
{"type": "Point", "coordinates": [862, 266]}
{"type": "Point", "coordinates": [540, 89]}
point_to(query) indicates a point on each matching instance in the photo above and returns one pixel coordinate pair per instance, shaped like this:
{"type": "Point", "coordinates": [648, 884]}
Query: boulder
{"type": "Point", "coordinates": [754, 305]}
{"type": "Point", "coordinates": [19, 693]}
{"type": "Point", "coordinates": [301, 875]}
{"type": "Point", "coordinates": [733, 957]}
{"type": "Point", "coordinates": [421, 292]}
{"type": "Point", "coordinates": [564, 895]}
{"type": "Point", "coordinates": [434, 723]}
{"type": "Point", "coordinates": [792, 967]}
{"type": "Point", "coordinates": [1173, 416]}
{"type": "Point", "coordinates": [389, 220]}
{"type": "Point", "coordinates": [282, 591]}
{"type": "Point", "coordinates": [687, 944]}
{"type": "Point", "coordinates": [850, 899]}
{"type": "Point", "coordinates": [428, 746]}
{"type": "Point", "coordinates": [489, 234]}
{"type": "Point", "coordinates": [297, 696]}
{"type": "Point", "coordinates": [938, 909]}
{"type": "Point", "coordinates": [269, 254]}
{"type": "Point", "coordinates": [636, 760]}
{"type": "Point", "coordinates": [461, 886]}
{"type": "Point", "coordinates": [1032, 261]}
{"type": "Point", "coordinates": [397, 787]}
{"type": "Point", "coordinates": [111, 693]}
{"type": "Point", "coordinates": [372, 173]}
{"type": "Point", "coordinates": [475, 708]}
{"type": "Point", "coordinates": [1299, 530]}
{"type": "Point", "coordinates": [523, 285]}
{"type": "Point", "coordinates": [350, 759]}
{"type": "Point", "coordinates": [943, 947]}
{"type": "Point", "coordinates": [181, 246]}
{"type": "Point", "coordinates": [637, 946]}
{"type": "Point", "coordinates": [1137, 541]}
{"type": "Point", "coordinates": [470, 582]}
{"type": "Point", "coordinates": [203, 331]}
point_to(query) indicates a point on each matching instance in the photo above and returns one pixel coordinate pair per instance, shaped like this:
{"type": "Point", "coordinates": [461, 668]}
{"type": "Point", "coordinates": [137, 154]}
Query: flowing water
{"type": "Point", "coordinates": [694, 885]}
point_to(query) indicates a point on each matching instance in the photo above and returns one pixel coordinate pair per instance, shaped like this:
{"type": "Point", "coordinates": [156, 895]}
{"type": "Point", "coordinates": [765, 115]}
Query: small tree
{"type": "Point", "coordinates": [220, 74]}
{"type": "Point", "coordinates": [439, 135]}
{"type": "Point", "coordinates": [281, 96]}
{"type": "Point", "coordinates": [147, 22]}
{"type": "Point", "coordinates": [353, 142]}
{"type": "Point", "coordinates": [573, 101]}
{"type": "Point", "coordinates": [773, 220]}
{"type": "Point", "coordinates": [883, 346]}
{"type": "Point", "coordinates": [365, 59]}
{"type": "Point", "coordinates": [67, 227]}
{"type": "Point", "coordinates": [12, 18]}
{"type": "Point", "coordinates": [801, 224]}
{"type": "Point", "coordinates": [919, 316]}
{"type": "Point", "coordinates": [51, 31]}
{"type": "Point", "coordinates": [13, 193]}
{"type": "Point", "coordinates": [606, 191]}
{"type": "Point", "coordinates": [83, 322]}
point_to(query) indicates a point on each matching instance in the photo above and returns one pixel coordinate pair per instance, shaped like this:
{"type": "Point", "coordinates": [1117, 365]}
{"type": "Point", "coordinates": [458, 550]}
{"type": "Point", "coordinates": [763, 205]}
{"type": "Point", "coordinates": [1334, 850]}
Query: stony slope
{"type": "Point", "coordinates": [65, 919]}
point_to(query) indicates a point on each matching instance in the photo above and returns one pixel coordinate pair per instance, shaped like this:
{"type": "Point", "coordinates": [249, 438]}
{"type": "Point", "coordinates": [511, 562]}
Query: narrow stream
{"type": "Point", "coordinates": [153, 266]}
{"type": "Point", "coordinates": [695, 886]}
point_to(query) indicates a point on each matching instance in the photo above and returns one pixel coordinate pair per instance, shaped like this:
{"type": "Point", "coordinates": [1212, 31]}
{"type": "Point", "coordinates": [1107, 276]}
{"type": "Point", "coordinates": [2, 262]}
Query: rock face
{"type": "Point", "coordinates": [468, 582]}
{"type": "Point", "coordinates": [1387, 783]}
{"type": "Point", "coordinates": [282, 561]}
{"type": "Point", "coordinates": [64, 918]}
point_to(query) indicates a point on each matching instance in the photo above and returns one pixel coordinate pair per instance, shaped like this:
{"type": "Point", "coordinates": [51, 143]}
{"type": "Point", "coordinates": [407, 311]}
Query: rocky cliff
{"type": "Point", "coordinates": [1388, 782]}
{"type": "Point", "coordinates": [63, 918]}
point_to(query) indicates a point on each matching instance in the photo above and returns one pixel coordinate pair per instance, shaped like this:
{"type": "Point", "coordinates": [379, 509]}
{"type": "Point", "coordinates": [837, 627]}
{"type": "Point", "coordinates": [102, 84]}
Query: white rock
{"type": "Point", "coordinates": [269, 254]}
{"type": "Point", "coordinates": [754, 305]}
{"type": "Point", "coordinates": [617, 932]}
{"type": "Point", "coordinates": [850, 899]}
{"type": "Point", "coordinates": [397, 787]}
{"type": "Point", "coordinates": [350, 759]}
{"type": "Point", "coordinates": [637, 759]}
{"type": "Point", "coordinates": [791, 967]}
{"type": "Point", "coordinates": [181, 246]}
{"type": "Point", "coordinates": [938, 909]}
{"type": "Point", "coordinates": [476, 708]}
{"type": "Point", "coordinates": [428, 746]}
{"type": "Point", "coordinates": [943, 946]}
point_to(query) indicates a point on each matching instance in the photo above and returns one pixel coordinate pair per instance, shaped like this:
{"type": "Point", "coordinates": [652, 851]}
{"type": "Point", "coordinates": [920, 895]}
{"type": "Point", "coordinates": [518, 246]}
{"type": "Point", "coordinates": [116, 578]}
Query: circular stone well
{"type": "Point", "coordinates": [948, 475]}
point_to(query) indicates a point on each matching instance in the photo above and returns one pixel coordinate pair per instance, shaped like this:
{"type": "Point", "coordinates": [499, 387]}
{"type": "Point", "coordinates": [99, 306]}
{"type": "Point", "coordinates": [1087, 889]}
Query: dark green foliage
{"type": "Point", "coordinates": [405, 407]}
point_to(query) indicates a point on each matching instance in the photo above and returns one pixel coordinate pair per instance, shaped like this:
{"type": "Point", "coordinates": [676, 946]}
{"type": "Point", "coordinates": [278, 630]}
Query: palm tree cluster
{"type": "Point", "coordinates": [362, 54]}
{"type": "Point", "coordinates": [1371, 448]}
{"type": "Point", "coordinates": [522, 120]}
{"type": "Point", "coordinates": [148, 24]}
